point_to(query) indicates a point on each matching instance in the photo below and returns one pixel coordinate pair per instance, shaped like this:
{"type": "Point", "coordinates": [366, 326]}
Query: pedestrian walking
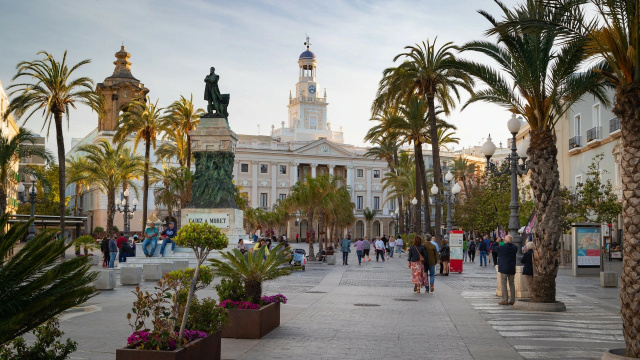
{"type": "Point", "coordinates": [366, 247]}
{"type": "Point", "coordinates": [297, 238]}
{"type": "Point", "coordinates": [150, 237]}
{"type": "Point", "coordinates": [399, 245]}
{"type": "Point", "coordinates": [113, 252]}
{"type": "Point", "coordinates": [359, 245]}
{"type": "Point", "coordinates": [104, 248]}
{"type": "Point", "coordinates": [379, 245]}
{"type": "Point", "coordinates": [430, 261]}
{"type": "Point", "coordinates": [445, 255]}
{"type": "Point", "coordinates": [167, 238]}
{"type": "Point", "coordinates": [494, 251]}
{"type": "Point", "coordinates": [465, 248]}
{"type": "Point", "coordinates": [482, 248]}
{"type": "Point", "coordinates": [392, 245]}
{"type": "Point", "coordinates": [417, 256]}
{"type": "Point", "coordinates": [507, 270]}
{"type": "Point", "coordinates": [527, 269]}
{"type": "Point", "coordinates": [471, 247]}
{"type": "Point", "coordinates": [345, 247]}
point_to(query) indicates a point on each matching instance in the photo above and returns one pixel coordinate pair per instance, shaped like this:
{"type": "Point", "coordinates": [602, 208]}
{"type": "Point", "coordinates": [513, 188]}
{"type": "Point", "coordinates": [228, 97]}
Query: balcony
{"type": "Point", "coordinates": [575, 142]}
{"type": "Point", "coordinates": [614, 125]}
{"type": "Point", "coordinates": [594, 134]}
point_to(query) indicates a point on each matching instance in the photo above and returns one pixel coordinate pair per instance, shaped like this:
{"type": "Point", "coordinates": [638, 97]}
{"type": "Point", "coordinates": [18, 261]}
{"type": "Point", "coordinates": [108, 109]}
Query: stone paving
{"type": "Point", "coordinates": [370, 311]}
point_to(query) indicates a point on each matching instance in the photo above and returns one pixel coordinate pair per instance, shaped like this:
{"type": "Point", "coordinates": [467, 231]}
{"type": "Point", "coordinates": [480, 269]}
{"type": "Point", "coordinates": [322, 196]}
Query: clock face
{"type": "Point", "coordinates": [312, 89]}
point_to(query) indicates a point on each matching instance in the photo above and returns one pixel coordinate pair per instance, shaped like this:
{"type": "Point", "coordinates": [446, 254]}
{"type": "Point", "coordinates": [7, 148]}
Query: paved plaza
{"type": "Point", "coordinates": [370, 311]}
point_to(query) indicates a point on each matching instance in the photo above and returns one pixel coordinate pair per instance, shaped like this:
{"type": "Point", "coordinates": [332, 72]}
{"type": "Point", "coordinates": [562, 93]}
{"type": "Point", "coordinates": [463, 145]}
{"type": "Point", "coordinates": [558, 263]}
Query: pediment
{"type": "Point", "coordinates": [323, 147]}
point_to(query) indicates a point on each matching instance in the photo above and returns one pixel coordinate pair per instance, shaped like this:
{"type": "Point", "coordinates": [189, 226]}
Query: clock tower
{"type": "Point", "coordinates": [307, 109]}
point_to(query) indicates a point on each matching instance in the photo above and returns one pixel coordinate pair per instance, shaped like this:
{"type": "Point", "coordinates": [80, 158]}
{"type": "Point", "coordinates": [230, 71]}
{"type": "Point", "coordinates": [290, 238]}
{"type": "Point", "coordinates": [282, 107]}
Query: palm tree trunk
{"type": "Point", "coordinates": [400, 216]}
{"type": "Point", "coordinates": [417, 148]}
{"type": "Point", "coordinates": [75, 201]}
{"type": "Point", "coordinates": [545, 180]}
{"type": "Point", "coordinates": [61, 173]}
{"type": "Point", "coordinates": [145, 194]}
{"type": "Point", "coordinates": [188, 151]}
{"type": "Point", "coordinates": [111, 210]}
{"type": "Point", "coordinates": [310, 239]}
{"type": "Point", "coordinates": [427, 208]}
{"type": "Point", "coordinates": [435, 152]}
{"type": "Point", "coordinates": [253, 289]}
{"type": "Point", "coordinates": [627, 108]}
{"type": "Point", "coordinates": [3, 199]}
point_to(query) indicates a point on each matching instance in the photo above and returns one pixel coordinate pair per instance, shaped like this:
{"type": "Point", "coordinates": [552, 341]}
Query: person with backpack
{"type": "Point", "coordinates": [471, 249]}
{"type": "Point", "coordinates": [417, 256]}
{"type": "Point", "coordinates": [483, 252]}
{"type": "Point", "coordinates": [494, 251]}
{"type": "Point", "coordinates": [507, 270]}
{"type": "Point", "coordinates": [445, 256]}
{"type": "Point", "coordinates": [366, 247]}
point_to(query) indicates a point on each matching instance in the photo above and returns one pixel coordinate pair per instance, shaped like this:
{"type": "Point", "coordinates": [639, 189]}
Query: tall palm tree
{"type": "Point", "coordinates": [76, 174]}
{"type": "Point", "coordinates": [12, 150]}
{"type": "Point", "coordinates": [175, 147]}
{"type": "Point", "coordinates": [539, 78]}
{"type": "Point", "coordinates": [146, 120]}
{"type": "Point", "coordinates": [53, 90]}
{"type": "Point", "coordinates": [431, 73]}
{"type": "Point", "coordinates": [447, 136]}
{"type": "Point", "coordinates": [163, 179]}
{"type": "Point", "coordinates": [107, 167]}
{"type": "Point", "coordinates": [402, 183]}
{"type": "Point", "coordinates": [369, 215]}
{"type": "Point", "coordinates": [463, 170]}
{"type": "Point", "coordinates": [184, 117]}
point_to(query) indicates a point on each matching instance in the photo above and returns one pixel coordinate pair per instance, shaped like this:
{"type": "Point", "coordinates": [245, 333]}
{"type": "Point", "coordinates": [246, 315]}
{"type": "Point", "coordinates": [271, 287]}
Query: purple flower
{"type": "Point", "coordinates": [230, 304]}
{"type": "Point", "coordinates": [278, 298]}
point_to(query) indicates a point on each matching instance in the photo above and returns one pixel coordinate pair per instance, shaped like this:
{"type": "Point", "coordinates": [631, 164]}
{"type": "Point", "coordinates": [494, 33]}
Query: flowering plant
{"type": "Point", "coordinates": [230, 304]}
{"type": "Point", "coordinates": [145, 340]}
{"type": "Point", "coordinates": [278, 298]}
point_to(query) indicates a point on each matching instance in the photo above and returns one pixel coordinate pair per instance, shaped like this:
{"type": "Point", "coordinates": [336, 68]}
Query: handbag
{"type": "Point", "coordinates": [421, 257]}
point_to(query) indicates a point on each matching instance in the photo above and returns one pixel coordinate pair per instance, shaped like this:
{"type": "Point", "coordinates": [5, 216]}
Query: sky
{"type": "Point", "coordinates": [254, 46]}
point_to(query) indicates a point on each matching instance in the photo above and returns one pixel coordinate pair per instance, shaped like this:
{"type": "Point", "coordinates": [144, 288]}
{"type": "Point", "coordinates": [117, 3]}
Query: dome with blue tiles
{"type": "Point", "coordinates": [307, 55]}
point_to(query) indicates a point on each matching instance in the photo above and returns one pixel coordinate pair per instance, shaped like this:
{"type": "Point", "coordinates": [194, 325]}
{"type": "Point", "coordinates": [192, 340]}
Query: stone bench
{"type": "Point", "coordinates": [130, 275]}
{"type": "Point", "coordinates": [152, 272]}
{"type": "Point", "coordinates": [106, 280]}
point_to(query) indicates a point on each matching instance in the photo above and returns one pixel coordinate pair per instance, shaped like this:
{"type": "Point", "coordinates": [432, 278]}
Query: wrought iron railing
{"type": "Point", "coordinates": [594, 134]}
{"type": "Point", "coordinates": [575, 142]}
{"type": "Point", "coordinates": [614, 125]}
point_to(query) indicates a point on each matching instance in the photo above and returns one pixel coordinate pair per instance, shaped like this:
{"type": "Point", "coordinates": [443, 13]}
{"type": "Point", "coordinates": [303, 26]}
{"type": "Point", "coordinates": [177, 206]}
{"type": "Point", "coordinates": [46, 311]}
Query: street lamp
{"type": "Point", "coordinates": [32, 200]}
{"type": "Point", "coordinates": [127, 210]}
{"type": "Point", "coordinates": [449, 195]}
{"type": "Point", "coordinates": [414, 202]}
{"type": "Point", "coordinates": [515, 168]}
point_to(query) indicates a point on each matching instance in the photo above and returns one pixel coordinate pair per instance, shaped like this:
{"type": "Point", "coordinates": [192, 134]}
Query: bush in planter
{"type": "Point", "coordinates": [201, 238]}
{"type": "Point", "coordinates": [253, 268]}
{"type": "Point", "coordinates": [230, 289]}
{"type": "Point", "coordinates": [180, 281]}
{"type": "Point", "coordinates": [205, 315]}
{"type": "Point", "coordinates": [87, 243]}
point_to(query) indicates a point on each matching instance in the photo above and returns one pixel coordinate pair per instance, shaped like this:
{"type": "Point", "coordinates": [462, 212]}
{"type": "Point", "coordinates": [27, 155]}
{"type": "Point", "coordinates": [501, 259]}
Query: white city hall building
{"type": "Point", "coordinates": [267, 166]}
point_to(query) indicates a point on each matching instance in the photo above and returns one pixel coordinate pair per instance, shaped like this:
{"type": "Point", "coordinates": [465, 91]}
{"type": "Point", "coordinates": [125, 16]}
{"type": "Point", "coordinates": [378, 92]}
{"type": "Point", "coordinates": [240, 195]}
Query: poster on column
{"type": "Point", "coordinates": [455, 244]}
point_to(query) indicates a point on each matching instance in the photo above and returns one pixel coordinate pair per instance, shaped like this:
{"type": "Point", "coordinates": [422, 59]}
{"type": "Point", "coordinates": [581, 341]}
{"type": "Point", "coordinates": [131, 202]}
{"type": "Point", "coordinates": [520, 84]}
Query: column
{"type": "Point", "coordinates": [294, 173]}
{"type": "Point", "coordinates": [274, 182]}
{"type": "Point", "coordinates": [236, 165]}
{"type": "Point", "coordinates": [331, 169]}
{"type": "Point", "coordinates": [313, 170]}
{"type": "Point", "coordinates": [385, 207]}
{"type": "Point", "coordinates": [254, 184]}
{"type": "Point", "coordinates": [369, 199]}
{"type": "Point", "coordinates": [350, 181]}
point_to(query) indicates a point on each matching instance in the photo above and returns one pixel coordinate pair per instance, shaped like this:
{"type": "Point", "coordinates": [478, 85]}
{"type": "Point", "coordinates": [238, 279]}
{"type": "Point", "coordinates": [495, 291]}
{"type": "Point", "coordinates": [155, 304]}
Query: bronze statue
{"type": "Point", "coordinates": [215, 100]}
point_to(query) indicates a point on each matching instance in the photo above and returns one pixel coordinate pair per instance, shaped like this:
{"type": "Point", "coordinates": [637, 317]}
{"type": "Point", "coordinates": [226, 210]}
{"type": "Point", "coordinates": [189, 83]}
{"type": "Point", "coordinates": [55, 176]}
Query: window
{"type": "Point", "coordinates": [376, 203]}
{"type": "Point", "coordinates": [244, 168]}
{"type": "Point", "coordinates": [263, 200]}
{"type": "Point", "coordinates": [313, 123]}
{"type": "Point", "coordinates": [578, 180]}
{"type": "Point", "coordinates": [376, 174]}
{"type": "Point", "coordinates": [359, 173]}
{"type": "Point", "coordinates": [359, 202]}
{"type": "Point", "coordinates": [596, 115]}
{"type": "Point", "coordinates": [392, 204]}
{"type": "Point", "coordinates": [576, 125]}
{"type": "Point", "coordinates": [264, 169]}
{"type": "Point", "coordinates": [283, 197]}
{"type": "Point", "coordinates": [283, 169]}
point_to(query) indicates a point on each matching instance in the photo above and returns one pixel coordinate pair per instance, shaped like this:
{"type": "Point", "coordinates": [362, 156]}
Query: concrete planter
{"type": "Point", "coordinates": [525, 304]}
{"type": "Point", "coordinates": [207, 348]}
{"type": "Point", "coordinates": [252, 324]}
{"type": "Point", "coordinates": [616, 354]}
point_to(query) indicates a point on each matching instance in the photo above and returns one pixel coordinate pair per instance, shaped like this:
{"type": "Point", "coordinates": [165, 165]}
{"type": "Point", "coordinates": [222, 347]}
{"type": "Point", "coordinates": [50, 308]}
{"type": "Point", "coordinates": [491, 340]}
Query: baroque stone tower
{"type": "Point", "coordinates": [119, 90]}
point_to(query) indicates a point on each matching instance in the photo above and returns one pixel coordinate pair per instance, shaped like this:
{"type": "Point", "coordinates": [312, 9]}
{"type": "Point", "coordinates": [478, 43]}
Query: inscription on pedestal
{"type": "Point", "coordinates": [219, 220]}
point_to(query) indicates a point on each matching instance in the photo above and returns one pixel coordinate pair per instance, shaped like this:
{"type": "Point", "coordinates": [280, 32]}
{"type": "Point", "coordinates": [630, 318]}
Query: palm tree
{"type": "Point", "coordinates": [428, 73]}
{"type": "Point", "coordinates": [463, 170]}
{"type": "Point", "coordinates": [36, 285]}
{"type": "Point", "coordinates": [184, 117]}
{"type": "Point", "coordinates": [541, 81]}
{"type": "Point", "coordinates": [369, 215]}
{"type": "Point", "coordinates": [108, 167]}
{"type": "Point", "coordinates": [252, 268]}
{"type": "Point", "coordinates": [76, 174]}
{"type": "Point", "coordinates": [447, 136]}
{"type": "Point", "coordinates": [11, 152]}
{"type": "Point", "coordinates": [339, 211]}
{"type": "Point", "coordinates": [175, 147]}
{"type": "Point", "coordinates": [52, 90]}
{"type": "Point", "coordinates": [145, 119]}
{"type": "Point", "coordinates": [164, 179]}
{"type": "Point", "coordinates": [402, 183]}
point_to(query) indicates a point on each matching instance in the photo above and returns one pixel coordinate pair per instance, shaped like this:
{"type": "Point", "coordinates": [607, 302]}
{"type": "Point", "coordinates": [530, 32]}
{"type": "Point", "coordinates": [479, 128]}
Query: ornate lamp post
{"type": "Point", "coordinates": [449, 197]}
{"type": "Point", "coordinates": [515, 168]}
{"type": "Point", "coordinates": [127, 211]}
{"type": "Point", "coordinates": [32, 200]}
{"type": "Point", "coordinates": [414, 202]}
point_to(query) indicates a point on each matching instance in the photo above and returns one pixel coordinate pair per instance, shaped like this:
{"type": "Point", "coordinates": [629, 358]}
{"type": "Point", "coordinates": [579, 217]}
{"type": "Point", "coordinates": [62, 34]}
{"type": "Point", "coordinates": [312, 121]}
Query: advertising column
{"type": "Point", "coordinates": [586, 249]}
{"type": "Point", "coordinates": [455, 243]}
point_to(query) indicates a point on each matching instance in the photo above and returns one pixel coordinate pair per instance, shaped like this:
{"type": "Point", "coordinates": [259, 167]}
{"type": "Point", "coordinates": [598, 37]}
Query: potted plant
{"type": "Point", "coordinates": [86, 242]}
{"type": "Point", "coordinates": [164, 309]}
{"type": "Point", "coordinates": [251, 316]}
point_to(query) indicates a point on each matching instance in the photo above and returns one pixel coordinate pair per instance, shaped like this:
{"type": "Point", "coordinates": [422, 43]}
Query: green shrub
{"type": "Point", "coordinates": [205, 315]}
{"type": "Point", "coordinates": [98, 230]}
{"type": "Point", "coordinates": [46, 346]}
{"type": "Point", "coordinates": [231, 289]}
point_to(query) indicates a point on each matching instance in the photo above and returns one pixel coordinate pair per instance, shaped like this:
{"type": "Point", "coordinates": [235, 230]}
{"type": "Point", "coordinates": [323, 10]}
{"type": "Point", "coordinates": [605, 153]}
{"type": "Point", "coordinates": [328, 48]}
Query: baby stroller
{"type": "Point", "coordinates": [299, 258]}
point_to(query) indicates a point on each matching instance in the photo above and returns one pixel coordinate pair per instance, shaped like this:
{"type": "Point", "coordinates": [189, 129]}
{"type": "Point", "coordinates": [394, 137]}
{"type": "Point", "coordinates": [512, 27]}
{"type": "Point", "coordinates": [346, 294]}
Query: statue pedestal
{"type": "Point", "coordinates": [213, 134]}
{"type": "Point", "coordinates": [228, 220]}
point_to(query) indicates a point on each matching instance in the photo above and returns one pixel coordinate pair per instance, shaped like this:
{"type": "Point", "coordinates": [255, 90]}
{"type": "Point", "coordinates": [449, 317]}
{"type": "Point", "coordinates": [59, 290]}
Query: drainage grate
{"type": "Point", "coordinates": [405, 299]}
{"type": "Point", "coordinates": [316, 292]}
{"type": "Point", "coordinates": [366, 305]}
